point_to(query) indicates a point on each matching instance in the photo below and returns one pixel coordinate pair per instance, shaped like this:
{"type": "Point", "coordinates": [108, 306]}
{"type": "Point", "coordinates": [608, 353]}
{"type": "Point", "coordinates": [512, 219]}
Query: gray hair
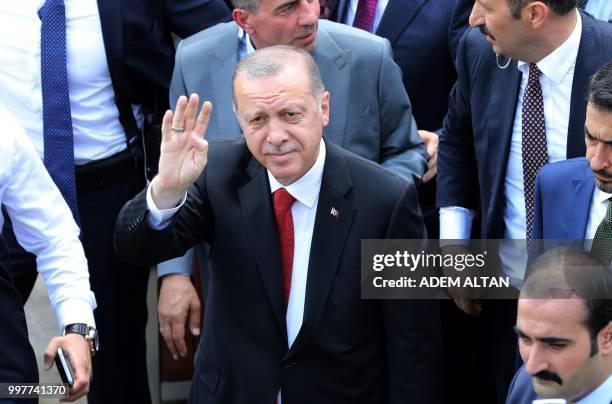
{"type": "Point", "coordinates": [600, 89]}
{"type": "Point", "coordinates": [249, 5]}
{"type": "Point", "coordinates": [560, 7]}
{"type": "Point", "coordinates": [272, 60]}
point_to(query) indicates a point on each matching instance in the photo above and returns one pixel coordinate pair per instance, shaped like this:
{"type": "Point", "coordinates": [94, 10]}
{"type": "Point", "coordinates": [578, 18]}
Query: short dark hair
{"type": "Point", "coordinates": [600, 89]}
{"type": "Point", "coordinates": [587, 278]}
{"type": "Point", "coordinates": [560, 7]}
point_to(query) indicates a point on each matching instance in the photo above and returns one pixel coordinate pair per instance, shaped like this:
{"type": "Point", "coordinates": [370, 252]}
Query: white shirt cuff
{"type": "Point", "coordinates": [159, 219]}
{"type": "Point", "coordinates": [455, 223]}
{"type": "Point", "coordinates": [74, 310]}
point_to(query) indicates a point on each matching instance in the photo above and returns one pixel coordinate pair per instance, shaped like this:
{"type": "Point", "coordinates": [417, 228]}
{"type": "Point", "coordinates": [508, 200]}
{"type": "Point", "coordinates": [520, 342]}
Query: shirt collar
{"type": "Point", "coordinates": [245, 43]}
{"type": "Point", "coordinates": [600, 196]}
{"type": "Point", "coordinates": [556, 65]}
{"type": "Point", "coordinates": [602, 394]}
{"type": "Point", "coordinates": [306, 189]}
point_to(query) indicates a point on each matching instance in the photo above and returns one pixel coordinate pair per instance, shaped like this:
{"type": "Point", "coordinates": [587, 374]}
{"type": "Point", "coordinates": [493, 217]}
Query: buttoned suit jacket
{"type": "Point", "coordinates": [371, 114]}
{"type": "Point", "coordinates": [348, 350]}
{"type": "Point", "coordinates": [475, 141]}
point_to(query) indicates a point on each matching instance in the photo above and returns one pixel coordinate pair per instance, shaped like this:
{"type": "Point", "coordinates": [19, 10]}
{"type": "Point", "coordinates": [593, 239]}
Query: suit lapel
{"type": "Point", "coordinates": [256, 206]}
{"type": "Point", "coordinates": [578, 214]}
{"type": "Point", "coordinates": [334, 65]}
{"type": "Point", "coordinates": [397, 15]}
{"type": "Point", "coordinates": [505, 86]}
{"type": "Point", "coordinates": [586, 65]}
{"type": "Point", "coordinates": [328, 240]}
{"type": "Point", "coordinates": [222, 65]}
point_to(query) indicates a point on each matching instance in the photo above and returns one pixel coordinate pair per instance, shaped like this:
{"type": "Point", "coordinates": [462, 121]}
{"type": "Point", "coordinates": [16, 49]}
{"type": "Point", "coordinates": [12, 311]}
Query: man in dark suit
{"type": "Point", "coordinates": [284, 317]}
{"type": "Point", "coordinates": [118, 64]}
{"type": "Point", "coordinates": [564, 327]}
{"type": "Point", "coordinates": [495, 113]}
{"type": "Point", "coordinates": [427, 31]}
{"type": "Point", "coordinates": [573, 196]}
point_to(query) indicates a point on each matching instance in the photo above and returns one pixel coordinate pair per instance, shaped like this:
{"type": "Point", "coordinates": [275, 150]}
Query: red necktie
{"type": "Point", "coordinates": [284, 226]}
{"type": "Point", "coordinates": [364, 16]}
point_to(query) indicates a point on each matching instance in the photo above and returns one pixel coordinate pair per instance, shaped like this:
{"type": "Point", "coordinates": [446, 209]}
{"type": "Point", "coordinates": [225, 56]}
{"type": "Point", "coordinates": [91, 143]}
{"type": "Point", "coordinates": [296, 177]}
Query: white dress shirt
{"type": "Point", "coordinates": [601, 395]}
{"type": "Point", "coordinates": [44, 226]}
{"type": "Point", "coordinates": [600, 9]}
{"type": "Point", "coordinates": [95, 118]}
{"type": "Point", "coordinates": [352, 10]}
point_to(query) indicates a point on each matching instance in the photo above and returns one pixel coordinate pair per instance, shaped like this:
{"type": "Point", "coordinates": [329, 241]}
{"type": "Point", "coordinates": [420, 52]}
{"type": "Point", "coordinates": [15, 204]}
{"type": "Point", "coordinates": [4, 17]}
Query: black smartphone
{"type": "Point", "coordinates": [64, 368]}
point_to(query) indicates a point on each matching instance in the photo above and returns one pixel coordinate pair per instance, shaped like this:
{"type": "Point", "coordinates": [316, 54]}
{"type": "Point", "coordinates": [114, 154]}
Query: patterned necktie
{"type": "Point", "coordinates": [602, 243]}
{"type": "Point", "coordinates": [582, 4]}
{"type": "Point", "coordinates": [364, 16]}
{"type": "Point", "coordinates": [57, 119]}
{"type": "Point", "coordinates": [535, 155]}
{"type": "Point", "coordinates": [284, 226]}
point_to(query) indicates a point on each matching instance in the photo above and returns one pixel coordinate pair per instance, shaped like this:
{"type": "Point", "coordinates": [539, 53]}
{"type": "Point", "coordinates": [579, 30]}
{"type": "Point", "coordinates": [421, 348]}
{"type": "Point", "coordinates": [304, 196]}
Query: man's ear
{"type": "Point", "coordinates": [535, 14]}
{"type": "Point", "coordinates": [243, 19]}
{"type": "Point", "coordinates": [325, 108]}
{"type": "Point", "coordinates": [604, 340]}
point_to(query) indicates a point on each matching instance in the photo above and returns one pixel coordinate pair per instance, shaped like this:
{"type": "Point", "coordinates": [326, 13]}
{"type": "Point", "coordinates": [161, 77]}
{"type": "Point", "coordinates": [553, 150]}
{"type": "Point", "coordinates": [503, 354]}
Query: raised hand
{"type": "Point", "coordinates": [184, 151]}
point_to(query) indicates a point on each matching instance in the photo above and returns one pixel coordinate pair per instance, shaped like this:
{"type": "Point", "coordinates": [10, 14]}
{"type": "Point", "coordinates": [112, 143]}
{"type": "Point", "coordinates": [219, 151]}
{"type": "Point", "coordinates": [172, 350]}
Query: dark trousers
{"type": "Point", "coordinates": [480, 353]}
{"type": "Point", "coordinates": [17, 360]}
{"type": "Point", "coordinates": [119, 368]}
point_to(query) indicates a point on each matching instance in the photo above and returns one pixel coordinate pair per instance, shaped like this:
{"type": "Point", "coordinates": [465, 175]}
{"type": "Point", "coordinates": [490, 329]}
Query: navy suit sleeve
{"type": "Point", "coordinates": [413, 330]}
{"type": "Point", "coordinates": [177, 85]}
{"type": "Point", "coordinates": [186, 17]}
{"type": "Point", "coordinates": [457, 171]}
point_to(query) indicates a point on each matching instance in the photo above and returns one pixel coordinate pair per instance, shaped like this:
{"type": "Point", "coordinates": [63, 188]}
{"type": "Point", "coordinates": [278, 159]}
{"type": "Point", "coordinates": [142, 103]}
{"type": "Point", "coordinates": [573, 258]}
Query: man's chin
{"type": "Point", "coordinates": [604, 186]}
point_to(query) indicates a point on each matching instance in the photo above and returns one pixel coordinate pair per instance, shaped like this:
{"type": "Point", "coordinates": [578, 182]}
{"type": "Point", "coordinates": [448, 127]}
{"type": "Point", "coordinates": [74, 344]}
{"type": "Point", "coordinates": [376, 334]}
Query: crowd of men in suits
{"type": "Point", "coordinates": [388, 119]}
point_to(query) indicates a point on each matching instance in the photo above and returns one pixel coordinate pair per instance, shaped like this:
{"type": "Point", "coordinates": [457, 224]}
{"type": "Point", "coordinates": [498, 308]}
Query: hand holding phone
{"type": "Point", "coordinates": [63, 367]}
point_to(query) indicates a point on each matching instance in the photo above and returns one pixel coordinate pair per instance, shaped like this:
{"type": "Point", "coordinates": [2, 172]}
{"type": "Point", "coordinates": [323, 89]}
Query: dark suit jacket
{"type": "Point", "coordinates": [348, 350]}
{"type": "Point", "coordinates": [475, 141]}
{"type": "Point", "coordinates": [563, 194]}
{"type": "Point", "coordinates": [140, 49]}
{"type": "Point", "coordinates": [521, 390]}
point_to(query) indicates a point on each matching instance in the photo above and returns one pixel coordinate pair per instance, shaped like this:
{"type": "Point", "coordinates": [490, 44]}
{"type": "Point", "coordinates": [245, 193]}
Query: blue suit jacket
{"type": "Point", "coordinates": [563, 194]}
{"type": "Point", "coordinates": [475, 141]}
{"type": "Point", "coordinates": [521, 389]}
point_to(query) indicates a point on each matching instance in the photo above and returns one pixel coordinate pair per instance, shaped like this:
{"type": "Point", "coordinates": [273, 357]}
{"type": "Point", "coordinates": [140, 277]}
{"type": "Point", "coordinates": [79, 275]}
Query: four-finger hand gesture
{"type": "Point", "coordinates": [184, 151]}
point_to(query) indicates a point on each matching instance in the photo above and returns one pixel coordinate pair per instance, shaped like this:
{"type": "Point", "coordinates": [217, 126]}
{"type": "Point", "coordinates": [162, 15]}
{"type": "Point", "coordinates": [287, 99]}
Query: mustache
{"type": "Point", "coordinates": [604, 173]}
{"type": "Point", "coordinates": [548, 375]}
{"type": "Point", "coordinates": [282, 148]}
{"type": "Point", "coordinates": [484, 31]}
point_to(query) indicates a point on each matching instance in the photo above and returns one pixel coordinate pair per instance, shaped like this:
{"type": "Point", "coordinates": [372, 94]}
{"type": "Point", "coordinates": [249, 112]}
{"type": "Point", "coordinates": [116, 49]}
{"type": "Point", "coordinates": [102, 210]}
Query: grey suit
{"type": "Point", "coordinates": [370, 110]}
